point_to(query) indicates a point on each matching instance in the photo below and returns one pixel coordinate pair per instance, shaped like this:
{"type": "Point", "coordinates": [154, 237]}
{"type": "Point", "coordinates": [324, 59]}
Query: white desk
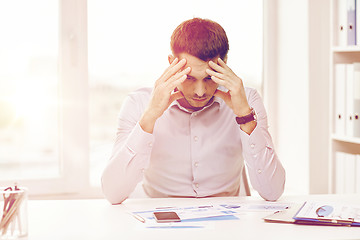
{"type": "Point", "coordinates": [97, 219]}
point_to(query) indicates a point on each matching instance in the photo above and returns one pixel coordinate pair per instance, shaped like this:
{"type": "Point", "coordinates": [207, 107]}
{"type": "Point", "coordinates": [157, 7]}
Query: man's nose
{"type": "Point", "coordinates": [200, 88]}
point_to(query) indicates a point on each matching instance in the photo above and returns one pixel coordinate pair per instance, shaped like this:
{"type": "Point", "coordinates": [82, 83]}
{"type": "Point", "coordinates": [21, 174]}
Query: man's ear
{"type": "Point", "coordinates": [225, 59]}
{"type": "Point", "coordinates": [171, 58]}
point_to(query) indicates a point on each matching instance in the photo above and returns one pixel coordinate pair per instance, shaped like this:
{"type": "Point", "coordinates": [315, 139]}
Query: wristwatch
{"type": "Point", "coordinates": [247, 118]}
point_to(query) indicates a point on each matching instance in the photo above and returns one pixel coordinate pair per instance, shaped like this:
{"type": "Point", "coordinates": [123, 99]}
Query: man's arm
{"type": "Point", "coordinates": [266, 172]}
{"type": "Point", "coordinates": [132, 149]}
{"type": "Point", "coordinates": [267, 175]}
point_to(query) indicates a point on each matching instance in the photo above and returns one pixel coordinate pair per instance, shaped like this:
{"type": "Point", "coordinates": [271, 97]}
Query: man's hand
{"type": "Point", "coordinates": [235, 98]}
{"type": "Point", "coordinates": [162, 95]}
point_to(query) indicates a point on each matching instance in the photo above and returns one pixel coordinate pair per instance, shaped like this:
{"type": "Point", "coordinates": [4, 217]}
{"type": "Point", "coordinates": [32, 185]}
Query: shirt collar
{"type": "Point", "coordinates": [216, 101]}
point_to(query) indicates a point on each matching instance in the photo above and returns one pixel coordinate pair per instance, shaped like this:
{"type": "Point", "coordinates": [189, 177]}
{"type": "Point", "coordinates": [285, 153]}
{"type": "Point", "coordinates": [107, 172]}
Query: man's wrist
{"type": "Point", "coordinates": [247, 122]}
{"type": "Point", "coordinates": [247, 118]}
{"type": "Point", "coordinates": [248, 127]}
{"type": "Point", "coordinates": [147, 122]}
{"type": "Point", "coordinates": [243, 112]}
{"type": "Point", "coordinates": [242, 109]}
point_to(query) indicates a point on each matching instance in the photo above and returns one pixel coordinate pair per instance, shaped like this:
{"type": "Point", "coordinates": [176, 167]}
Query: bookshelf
{"type": "Point", "coordinates": [346, 49]}
{"type": "Point", "coordinates": [340, 142]}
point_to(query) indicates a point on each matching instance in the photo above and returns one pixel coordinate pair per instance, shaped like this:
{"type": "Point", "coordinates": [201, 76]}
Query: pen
{"type": "Point", "coordinates": [141, 219]}
{"type": "Point", "coordinates": [205, 206]}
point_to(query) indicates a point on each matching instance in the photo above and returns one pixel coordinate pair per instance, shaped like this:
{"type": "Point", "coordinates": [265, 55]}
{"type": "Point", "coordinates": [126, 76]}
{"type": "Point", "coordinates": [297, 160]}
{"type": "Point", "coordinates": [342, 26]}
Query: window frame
{"type": "Point", "coordinates": [73, 149]}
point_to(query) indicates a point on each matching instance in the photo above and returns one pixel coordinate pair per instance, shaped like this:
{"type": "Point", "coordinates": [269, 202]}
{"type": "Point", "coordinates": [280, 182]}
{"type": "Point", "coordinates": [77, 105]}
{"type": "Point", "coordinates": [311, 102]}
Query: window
{"type": "Point", "coordinates": [42, 70]}
{"type": "Point", "coordinates": [29, 127]}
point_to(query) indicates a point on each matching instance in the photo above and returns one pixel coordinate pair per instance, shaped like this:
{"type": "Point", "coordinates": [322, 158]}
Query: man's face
{"type": "Point", "coordinates": [198, 88]}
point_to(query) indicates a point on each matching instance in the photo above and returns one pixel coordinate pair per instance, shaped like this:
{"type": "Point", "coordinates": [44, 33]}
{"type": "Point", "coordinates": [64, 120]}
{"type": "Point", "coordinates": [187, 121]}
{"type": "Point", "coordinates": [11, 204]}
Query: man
{"type": "Point", "coordinates": [190, 134]}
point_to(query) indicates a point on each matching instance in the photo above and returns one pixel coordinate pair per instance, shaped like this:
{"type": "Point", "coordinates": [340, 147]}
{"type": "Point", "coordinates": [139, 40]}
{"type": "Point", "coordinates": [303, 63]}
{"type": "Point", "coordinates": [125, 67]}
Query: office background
{"type": "Point", "coordinates": [67, 65]}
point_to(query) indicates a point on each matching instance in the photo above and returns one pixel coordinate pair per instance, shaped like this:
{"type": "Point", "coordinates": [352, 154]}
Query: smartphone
{"type": "Point", "coordinates": [163, 217]}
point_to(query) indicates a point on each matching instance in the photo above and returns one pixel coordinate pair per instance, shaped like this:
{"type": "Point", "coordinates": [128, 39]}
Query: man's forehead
{"type": "Point", "coordinates": [194, 62]}
{"type": "Point", "coordinates": [196, 65]}
{"type": "Point", "coordinates": [193, 58]}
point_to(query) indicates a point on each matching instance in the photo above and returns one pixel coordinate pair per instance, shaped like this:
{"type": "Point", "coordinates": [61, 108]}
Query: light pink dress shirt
{"type": "Point", "coordinates": [191, 154]}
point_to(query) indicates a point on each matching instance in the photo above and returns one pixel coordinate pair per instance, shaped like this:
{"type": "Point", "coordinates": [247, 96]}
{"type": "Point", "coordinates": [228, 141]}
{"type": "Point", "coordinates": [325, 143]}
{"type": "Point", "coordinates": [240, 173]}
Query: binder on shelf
{"type": "Point", "coordinates": [340, 80]}
{"type": "Point", "coordinates": [356, 100]}
{"type": "Point", "coordinates": [349, 173]}
{"type": "Point", "coordinates": [342, 23]}
{"type": "Point", "coordinates": [339, 172]}
{"type": "Point", "coordinates": [351, 23]}
{"type": "Point", "coordinates": [349, 100]}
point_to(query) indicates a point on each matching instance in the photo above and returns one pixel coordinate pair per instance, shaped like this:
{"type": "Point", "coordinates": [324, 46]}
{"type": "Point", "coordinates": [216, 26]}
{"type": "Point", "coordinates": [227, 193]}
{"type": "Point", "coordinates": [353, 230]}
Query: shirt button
{"type": "Point", "coordinates": [150, 144]}
{"type": "Point", "coordinates": [142, 170]}
{"type": "Point", "coordinates": [259, 171]}
{"type": "Point", "coordinates": [197, 185]}
{"type": "Point", "coordinates": [252, 145]}
{"type": "Point", "coordinates": [196, 138]}
{"type": "Point", "coordinates": [196, 164]}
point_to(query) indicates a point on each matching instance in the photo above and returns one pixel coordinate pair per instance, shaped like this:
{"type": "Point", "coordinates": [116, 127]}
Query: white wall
{"type": "Point", "coordinates": [319, 85]}
{"type": "Point", "coordinates": [287, 87]}
{"type": "Point", "coordinates": [295, 68]}
{"type": "Point", "coordinates": [293, 113]}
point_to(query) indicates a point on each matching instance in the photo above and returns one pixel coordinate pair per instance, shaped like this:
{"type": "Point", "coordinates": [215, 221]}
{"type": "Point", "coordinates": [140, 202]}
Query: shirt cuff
{"type": "Point", "coordinates": [140, 141]}
{"type": "Point", "coordinates": [253, 143]}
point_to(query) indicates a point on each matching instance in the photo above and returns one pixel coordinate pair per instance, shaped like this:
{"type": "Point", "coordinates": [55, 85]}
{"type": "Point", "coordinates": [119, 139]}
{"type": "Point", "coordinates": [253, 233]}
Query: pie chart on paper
{"type": "Point", "coordinates": [324, 211]}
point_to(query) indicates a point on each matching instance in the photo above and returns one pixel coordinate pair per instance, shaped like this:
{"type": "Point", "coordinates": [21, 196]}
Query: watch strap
{"type": "Point", "coordinates": [247, 118]}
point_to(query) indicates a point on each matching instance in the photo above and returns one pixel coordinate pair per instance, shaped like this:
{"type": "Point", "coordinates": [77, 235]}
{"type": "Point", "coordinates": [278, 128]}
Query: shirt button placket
{"type": "Point", "coordinates": [195, 140]}
{"type": "Point", "coordinates": [196, 164]}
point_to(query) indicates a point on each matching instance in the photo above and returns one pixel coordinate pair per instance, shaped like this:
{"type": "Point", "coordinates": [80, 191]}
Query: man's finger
{"type": "Point", "coordinates": [162, 77]}
{"type": "Point", "coordinates": [216, 74]}
{"type": "Point", "coordinates": [221, 82]}
{"type": "Point", "coordinates": [224, 96]}
{"type": "Point", "coordinates": [179, 74]}
{"type": "Point", "coordinates": [171, 85]}
{"type": "Point", "coordinates": [222, 63]}
{"type": "Point", "coordinates": [216, 67]}
{"type": "Point", "coordinates": [175, 96]}
{"type": "Point", "coordinates": [172, 64]}
{"type": "Point", "coordinates": [173, 70]}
